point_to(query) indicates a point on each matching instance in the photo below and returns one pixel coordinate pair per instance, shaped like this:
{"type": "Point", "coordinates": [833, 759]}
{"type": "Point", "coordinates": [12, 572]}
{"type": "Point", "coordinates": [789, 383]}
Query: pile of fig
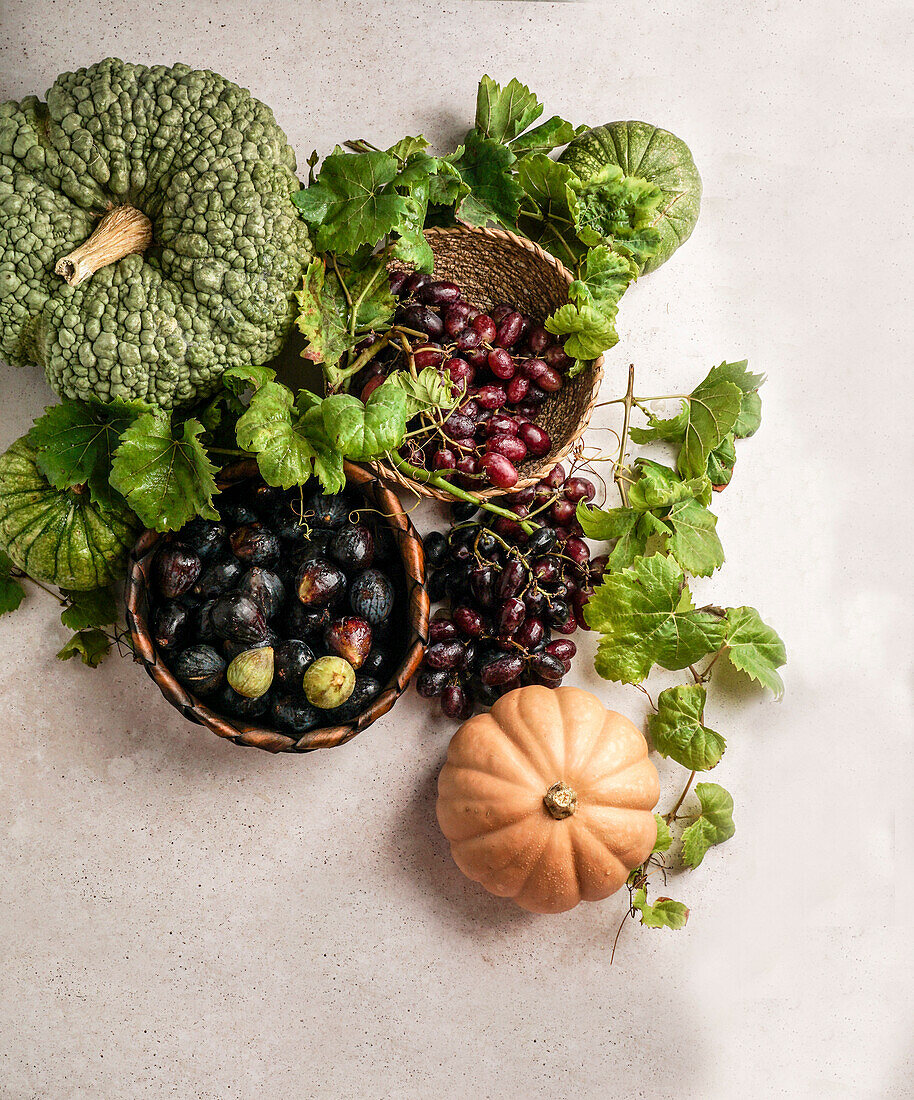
{"type": "Point", "coordinates": [282, 613]}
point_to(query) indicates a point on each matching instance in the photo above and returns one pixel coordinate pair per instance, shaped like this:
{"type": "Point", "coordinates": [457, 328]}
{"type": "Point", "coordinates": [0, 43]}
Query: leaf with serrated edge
{"type": "Point", "coordinates": [354, 201]}
{"type": "Point", "coordinates": [493, 193]}
{"type": "Point", "coordinates": [713, 826]}
{"type": "Point", "coordinates": [646, 617]}
{"type": "Point", "coordinates": [88, 610]}
{"type": "Point", "coordinates": [664, 913]}
{"type": "Point", "coordinates": [76, 440]}
{"type": "Point", "coordinates": [165, 476]}
{"type": "Point", "coordinates": [503, 113]}
{"type": "Point", "coordinates": [678, 730]}
{"type": "Point", "coordinates": [91, 646]}
{"type": "Point", "coordinates": [11, 594]}
{"type": "Point", "coordinates": [694, 542]}
{"type": "Point", "coordinates": [664, 836]}
{"type": "Point", "coordinates": [713, 409]}
{"type": "Point", "coordinates": [755, 648]}
{"type": "Point", "coordinates": [285, 453]}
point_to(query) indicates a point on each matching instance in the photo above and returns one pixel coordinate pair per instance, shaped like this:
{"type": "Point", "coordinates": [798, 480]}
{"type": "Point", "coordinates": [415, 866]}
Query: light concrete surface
{"type": "Point", "coordinates": [183, 918]}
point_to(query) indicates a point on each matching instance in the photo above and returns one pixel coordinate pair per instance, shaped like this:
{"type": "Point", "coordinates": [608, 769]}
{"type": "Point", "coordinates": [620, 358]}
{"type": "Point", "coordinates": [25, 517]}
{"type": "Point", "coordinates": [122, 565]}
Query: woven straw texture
{"type": "Point", "coordinates": [492, 266]}
{"type": "Point", "coordinates": [137, 608]}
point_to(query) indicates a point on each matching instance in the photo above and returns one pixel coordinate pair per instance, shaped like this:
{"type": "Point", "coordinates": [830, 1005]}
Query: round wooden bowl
{"type": "Point", "coordinates": [415, 634]}
{"type": "Point", "coordinates": [492, 266]}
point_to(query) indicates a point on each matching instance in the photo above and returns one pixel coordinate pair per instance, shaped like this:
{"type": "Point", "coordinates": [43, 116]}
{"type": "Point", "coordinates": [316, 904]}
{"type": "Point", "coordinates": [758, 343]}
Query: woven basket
{"type": "Point", "coordinates": [137, 608]}
{"type": "Point", "coordinates": [492, 266]}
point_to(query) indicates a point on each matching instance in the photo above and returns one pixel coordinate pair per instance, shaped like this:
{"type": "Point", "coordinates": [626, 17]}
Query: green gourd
{"type": "Point", "coordinates": [55, 535]}
{"type": "Point", "coordinates": [652, 154]}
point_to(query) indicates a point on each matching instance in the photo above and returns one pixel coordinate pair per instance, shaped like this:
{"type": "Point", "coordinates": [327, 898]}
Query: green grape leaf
{"type": "Point", "coordinates": [322, 316]}
{"type": "Point", "coordinates": [547, 136]}
{"type": "Point", "coordinates": [721, 462]}
{"type": "Point", "coordinates": [750, 411]}
{"type": "Point", "coordinates": [11, 593]}
{"type": "Point", "coordinates": [713, 825]}
{"type": "Point", "coordinates": [624, 525]}
{"type": "Point", "coordinates": [492, 194]}
{"type": "Point", "coordinates": [750, 416]}
{"type": "Point", "coordinates": [619, 210]}
{"type": "Point", "coordinates": [669, 430]}
{"type": "Point", "coordinates": [407, 146]}
{"type": "Point", "coordinates": [411, 247]}
{"type": "Point", "coordinates": [664, 913]}
{"type": "Point", "coordinates": [658, 487]}
{"type": "Point", "coordinates": [678, 732]}
{"type": "Point", "coordinates": [354, 201]}
{"type": "Point", "coordinates": [603, 524]}
{"type": "Point", "coordinates": [549, 207]}
{"type": "Point", "coordinates": [755, 648]}
{"type": "Point", "coordinates": [604, 278]}
{"type": "Point", "coordinates": [325, 315]}
{"type": "Point", "coordinates": [164, 472]}
{"type": "Point", "coordinates": [712, 411]}
{"type": "Point", "coordinates": [424, 393]}
{"type": "Point", "coordinates": [76, 440]}
{"type": "Point", "coordinates": [589, 330]}
{"type": "Point", "coordinates": [504, 113]}
{"type": "Point", "coordinates": [664, 836]}
{"type": "Point", "coordinates": [362, 432]}
{"type": "Point", "coordinates": [693, 540]}
{"type": "Point", "coordinates": [446, 188]}
{"type": "Point", "coordinates": [738, 373]}
{"type": "Point", "coordinates": [276, 430]}
{"type": "Point", "coordinates": [91, 646]}
{"type": "Point", "coordinates": [88, 610]}
{"type": "Point", "coordinates": [646, 616]}
{"type": "Point", "coordinates": [250, 377]}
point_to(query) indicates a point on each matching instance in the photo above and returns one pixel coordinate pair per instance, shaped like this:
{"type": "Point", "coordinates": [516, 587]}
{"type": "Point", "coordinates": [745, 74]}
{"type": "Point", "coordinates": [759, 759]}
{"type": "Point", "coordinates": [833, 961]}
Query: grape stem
{"type": "Point", "coordinates": [439, 482]}
{"type": "Point", "coordinates": [619, 465]}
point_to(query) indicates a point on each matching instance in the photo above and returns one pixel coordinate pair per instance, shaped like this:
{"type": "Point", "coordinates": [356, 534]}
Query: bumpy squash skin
{"type": "Point", "coordinates": [654, 155]}
{"type": "Point", "coordinates": [208, 164]}
{"type": "Point", "coordinates": [59, 536]}
{"type": "Point", "coordinates": [490, 798]}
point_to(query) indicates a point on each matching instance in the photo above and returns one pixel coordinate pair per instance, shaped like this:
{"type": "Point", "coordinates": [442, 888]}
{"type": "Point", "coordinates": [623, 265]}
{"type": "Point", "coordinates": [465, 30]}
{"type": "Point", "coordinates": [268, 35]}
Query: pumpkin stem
{"type": "Point", "coordinates": [560, 800]}
{"type": "Point", "coordinates": [123, 231]}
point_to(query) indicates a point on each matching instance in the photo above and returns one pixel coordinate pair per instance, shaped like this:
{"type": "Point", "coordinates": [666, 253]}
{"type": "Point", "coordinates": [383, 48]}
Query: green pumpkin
{"type": "Point", "coordinates": [652, 154]}
{"type": "Point", "coordinates": [55, 535]}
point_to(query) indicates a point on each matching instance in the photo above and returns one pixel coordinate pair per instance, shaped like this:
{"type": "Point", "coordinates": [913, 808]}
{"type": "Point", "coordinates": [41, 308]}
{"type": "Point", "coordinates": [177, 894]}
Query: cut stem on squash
{"type": "Point", "coordinates": [123, 231]}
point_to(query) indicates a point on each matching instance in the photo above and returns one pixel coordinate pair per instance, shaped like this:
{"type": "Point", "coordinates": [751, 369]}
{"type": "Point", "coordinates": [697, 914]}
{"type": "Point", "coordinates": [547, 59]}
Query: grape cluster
{"type": "Point", "coordinates": [508, 593]}
{"type": "Point", "coordinates": [502, 364]}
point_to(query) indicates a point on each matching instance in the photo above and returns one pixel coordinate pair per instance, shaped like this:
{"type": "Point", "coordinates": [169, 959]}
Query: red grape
{"type": "Point", "coordinates": [444, 459]}
{"type": "Point", "coordinates": [485, 328]}
{"type": "Point", "coordinates": [579, 488]}
{"type": "Point", "coordinates": [498, 470]}
{"type": "Point", "coordinates": [509, 331]}
{"type": "Point", "coordinates": [501, 364]}
{"type": "Point", "coordinates": [517, 389]}
{"type": "Point", "coordinates": [510, 446]}
{"type": "Point", "coordinates": [535, 438]}
{"type": "Point", "coordinates": [491, 397]}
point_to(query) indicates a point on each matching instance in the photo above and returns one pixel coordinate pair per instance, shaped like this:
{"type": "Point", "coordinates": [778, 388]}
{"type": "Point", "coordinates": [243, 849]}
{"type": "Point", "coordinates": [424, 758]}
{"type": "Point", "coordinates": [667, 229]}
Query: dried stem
{"type": "Point", "coordinates": [123, 231]}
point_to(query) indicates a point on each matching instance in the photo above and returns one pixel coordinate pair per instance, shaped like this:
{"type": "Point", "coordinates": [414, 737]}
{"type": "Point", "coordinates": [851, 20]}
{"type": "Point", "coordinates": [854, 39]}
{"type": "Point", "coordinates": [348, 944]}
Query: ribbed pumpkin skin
{"type": "Point", "coordinates": [490, 798]}
{"type": "Point", "coordinates": [654, 155]}
{"type": "Point", "coordinates": [58, 536]}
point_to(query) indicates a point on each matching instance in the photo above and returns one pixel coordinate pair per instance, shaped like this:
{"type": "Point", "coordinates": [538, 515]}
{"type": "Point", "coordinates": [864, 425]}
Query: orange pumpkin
{"type": "Point", "coordinates": [547, 799]}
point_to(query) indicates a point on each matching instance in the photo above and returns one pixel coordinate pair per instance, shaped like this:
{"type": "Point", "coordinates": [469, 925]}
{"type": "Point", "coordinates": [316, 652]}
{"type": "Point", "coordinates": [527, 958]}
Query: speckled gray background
{"type": "Point", "coordinates": [183, 918]}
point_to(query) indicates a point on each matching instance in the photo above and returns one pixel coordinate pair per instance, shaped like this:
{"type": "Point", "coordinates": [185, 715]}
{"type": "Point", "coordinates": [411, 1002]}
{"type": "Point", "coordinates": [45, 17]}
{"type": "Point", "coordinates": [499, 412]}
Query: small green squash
{"type": "Point", "coordinates": [59, 536]}
{"type": "Point", "coordinates": [652, 154]}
